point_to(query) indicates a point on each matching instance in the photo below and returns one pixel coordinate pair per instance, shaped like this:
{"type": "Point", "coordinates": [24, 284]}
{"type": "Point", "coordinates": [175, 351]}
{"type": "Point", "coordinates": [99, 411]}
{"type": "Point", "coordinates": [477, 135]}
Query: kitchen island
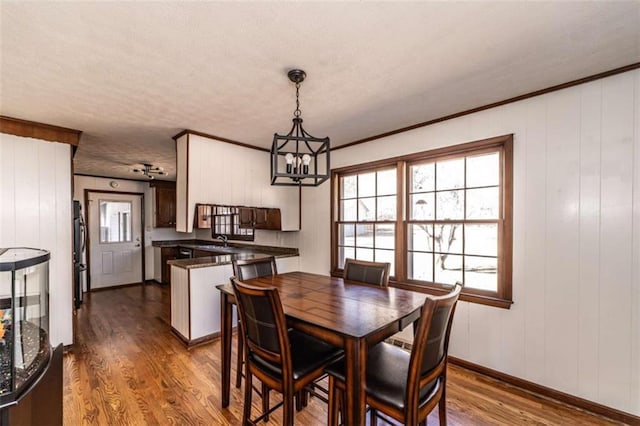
{"type": "Point", "coordinates": [195, 301]}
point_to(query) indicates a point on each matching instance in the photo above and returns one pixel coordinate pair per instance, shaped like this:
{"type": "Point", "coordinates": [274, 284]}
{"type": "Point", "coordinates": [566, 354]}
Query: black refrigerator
{"type": "Point", "coordinates": [79, 244]}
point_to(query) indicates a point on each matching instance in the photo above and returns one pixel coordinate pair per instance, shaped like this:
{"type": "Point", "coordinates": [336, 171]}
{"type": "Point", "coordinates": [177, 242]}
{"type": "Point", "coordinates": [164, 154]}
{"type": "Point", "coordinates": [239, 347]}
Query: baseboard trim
{"type": "Point", "coordinates": [195, 342]}
{"type": "Point", "coordinates": [528, 386]}
{"type": "Point", "coordinates": [113, 287]}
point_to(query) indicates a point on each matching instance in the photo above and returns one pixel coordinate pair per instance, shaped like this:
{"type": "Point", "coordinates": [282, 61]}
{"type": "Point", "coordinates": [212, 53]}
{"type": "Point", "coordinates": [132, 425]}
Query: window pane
{"type": "Point", "coordinates": [481, 239]}
{"type": "Point", "coordinates": [367, 185]}
{"type": "Point", "coordinates": [481, 273]}
{"type": "Point", "coordinates": [349, 186]}
{"type": "Point", "coordinates": [346, 234]}
{"type": "Point", "coordinates": [423, 177]}
{"type": "Point", "coordinates": [448, 268]}
{"type": "Point", "coordinates": [423, 206]}
{"type": "Point", "coordinates": [450, 174]}
{"type": "Point", "coordinates": [115, 221]}
{"type": "Point", "coordinates": [483, 203]}
{"type": "Point", "coordinates": [364, 254]}
{"type": "Point", "coordinates": [367, 209]}
{"type": "Point", "coordinates": [344, 253]}
{"type": "Point", "coordinates": [420, 266]}
{"type": "Point", "coordinates": [386, 256]}
{"type": "Point", "coordinates": [483, 170]}
{"type": "Point", "coordinates": [385, 236]}
{"type": "Point", "coordinates": [364, 235]}
{"type": "Point", "coordinates": [450, 205]}
{"type": "Point", "coordinates": [420, 237]}
{"type": "Point", "coordinates": [448, 238]}
{"type": "Point", "coordinates": [387, 182]}
{"type": "Point", "coordinates": [387, 208]}
{"type": "Point", "coordinates": [348, 210]}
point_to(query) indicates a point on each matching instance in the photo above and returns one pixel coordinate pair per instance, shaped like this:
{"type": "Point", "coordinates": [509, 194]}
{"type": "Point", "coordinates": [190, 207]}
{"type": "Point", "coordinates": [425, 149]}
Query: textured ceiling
{"type": "Point", "coordinates": [132, 74]}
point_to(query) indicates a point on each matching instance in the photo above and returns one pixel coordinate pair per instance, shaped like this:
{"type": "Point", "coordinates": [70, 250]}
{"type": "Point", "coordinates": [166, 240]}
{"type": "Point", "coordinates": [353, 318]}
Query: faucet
{"type": "Point", "coordinates": [224, 240]}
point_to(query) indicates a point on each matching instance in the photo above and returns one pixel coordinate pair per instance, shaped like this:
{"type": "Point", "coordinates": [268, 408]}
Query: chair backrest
{"type": "Point", "coordinates": [367, 272]}
{"type": "Point", "coordinates": [431, 341]}
{"type": "Point", "coordinates": [263, 323]}
{"type": "Point", "coordinates": [254, 268]}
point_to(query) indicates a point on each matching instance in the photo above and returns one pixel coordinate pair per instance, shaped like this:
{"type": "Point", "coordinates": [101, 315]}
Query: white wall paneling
{"type": "Point", "coordinates": [35, 211]}
{"type": "Point", "coordinates": [575, 322]}
{"type": "Point", "coordinates": [635, 279]}
{"type": "Point", "coordinates": [614, 364]}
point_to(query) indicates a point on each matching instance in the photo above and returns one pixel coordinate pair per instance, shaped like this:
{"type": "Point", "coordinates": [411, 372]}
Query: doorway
{"type": "Point", "coordinates": [115, 255]}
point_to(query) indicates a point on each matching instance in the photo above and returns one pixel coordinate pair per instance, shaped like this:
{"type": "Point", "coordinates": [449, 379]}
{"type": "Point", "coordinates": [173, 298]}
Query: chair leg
{"type": "Point", "coordinates": [442, 409]}
{"type": "Point", "coordinates": [298, 397]}
{"type": "Point", "coordinates": [265, 401]}
{"type": "Point", "coordinates": [288, 403]}
{"type": "Point", "coordinates": [373, 417]}
{"type": "Point", "coordinates": [248, 390]}
{"type": "Point", "coordinates": [333, 403]}
{"type": "Point", "coordinates": [240, 361]}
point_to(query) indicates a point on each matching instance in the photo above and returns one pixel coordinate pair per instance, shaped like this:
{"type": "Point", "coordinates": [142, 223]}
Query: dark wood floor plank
{"type": "Point", "coordinates": [126, 368]}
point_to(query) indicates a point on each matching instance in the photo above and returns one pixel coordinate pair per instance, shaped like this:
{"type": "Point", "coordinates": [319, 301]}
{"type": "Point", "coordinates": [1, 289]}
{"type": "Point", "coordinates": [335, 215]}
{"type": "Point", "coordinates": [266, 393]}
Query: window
{"type": "Point", "coordinates": [449, 220]}
{"type": "Point", "coordinates": [367, 221]}
{"type": "Point", "coordinates": [115, 221]}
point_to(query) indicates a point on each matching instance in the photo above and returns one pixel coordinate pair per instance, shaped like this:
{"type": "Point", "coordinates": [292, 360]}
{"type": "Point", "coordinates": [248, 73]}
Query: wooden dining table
{"type": "Point", "coordinates": [351, 315]}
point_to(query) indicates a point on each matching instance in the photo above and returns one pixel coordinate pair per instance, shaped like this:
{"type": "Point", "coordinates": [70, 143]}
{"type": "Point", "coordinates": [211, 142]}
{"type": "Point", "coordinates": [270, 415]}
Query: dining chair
{"type": "Point", "coordinates": [405, 386]}
{"type": "Point", "coordinates": [367, 272]}
{"type": "Point", "coordinates": [283, 360]}
{"type": "Point", "coordinates": [245, 270]}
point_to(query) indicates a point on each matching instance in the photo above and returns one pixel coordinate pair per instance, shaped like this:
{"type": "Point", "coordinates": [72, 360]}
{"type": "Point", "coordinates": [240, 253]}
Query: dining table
{"type": "Point", "coordinates": [347, 314]}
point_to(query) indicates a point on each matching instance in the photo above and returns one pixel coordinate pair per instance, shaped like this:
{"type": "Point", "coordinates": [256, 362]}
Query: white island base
{"type": "Point", "coordinates": [195, 300]}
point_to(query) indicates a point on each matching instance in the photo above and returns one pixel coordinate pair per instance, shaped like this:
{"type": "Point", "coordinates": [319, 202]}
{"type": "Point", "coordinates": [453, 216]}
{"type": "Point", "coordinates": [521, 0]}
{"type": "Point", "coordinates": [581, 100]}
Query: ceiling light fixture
{"type": "Point", "coordinates": [149, 170]}
{"type": "Point", "coordinates": [297, 158]}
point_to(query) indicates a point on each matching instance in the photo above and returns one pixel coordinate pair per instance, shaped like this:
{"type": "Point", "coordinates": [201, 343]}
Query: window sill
{"type": "Point", "coordinates": [496, 302]}
{"type": "Point", "coordinates": [466, 297]}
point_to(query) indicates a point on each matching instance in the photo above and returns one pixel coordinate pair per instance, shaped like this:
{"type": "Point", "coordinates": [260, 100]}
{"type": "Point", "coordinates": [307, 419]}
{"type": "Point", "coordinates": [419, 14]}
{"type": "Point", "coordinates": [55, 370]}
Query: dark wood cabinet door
{"type": "Point", "coordinates": [165, 205]}
{"type": "Point", "coordinates": [167, 253]}
{"type": "Point", "coordinates": [268, 219]}
{"type": "Point", "coordinates": [246, 216]}
{"type": "Point", "coordinates": [202, 253]}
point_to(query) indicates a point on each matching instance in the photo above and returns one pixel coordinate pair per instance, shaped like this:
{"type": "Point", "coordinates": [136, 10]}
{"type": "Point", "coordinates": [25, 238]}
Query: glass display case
{"type": "Point", "coordinates": [24, 319]}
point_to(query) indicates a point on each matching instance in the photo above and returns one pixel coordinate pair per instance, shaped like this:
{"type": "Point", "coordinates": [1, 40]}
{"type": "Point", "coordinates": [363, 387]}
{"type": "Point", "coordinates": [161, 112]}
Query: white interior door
{"type": "Point", "coordinates": [115, 239]}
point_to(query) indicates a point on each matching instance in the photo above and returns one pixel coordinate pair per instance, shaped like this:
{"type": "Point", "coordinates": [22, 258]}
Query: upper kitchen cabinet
{"type": "Point", "coordinates": [210, 171]}
{"type": "Point", "coordinates": [165, 204]}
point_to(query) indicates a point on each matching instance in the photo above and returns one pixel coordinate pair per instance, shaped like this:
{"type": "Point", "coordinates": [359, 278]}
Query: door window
{"type": "Point", "coordinates": [115, 221]}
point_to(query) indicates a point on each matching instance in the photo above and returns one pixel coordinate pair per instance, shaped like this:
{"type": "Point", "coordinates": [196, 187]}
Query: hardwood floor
{"type": "Point", "coordinates": [126, 368]}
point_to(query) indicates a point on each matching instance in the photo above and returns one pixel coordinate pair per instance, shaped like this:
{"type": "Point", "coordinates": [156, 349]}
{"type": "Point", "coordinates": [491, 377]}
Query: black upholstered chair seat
{"type": "Point", "coordinates": [307, 354]}
{"type": "Point", "coordinates": [387, 373]}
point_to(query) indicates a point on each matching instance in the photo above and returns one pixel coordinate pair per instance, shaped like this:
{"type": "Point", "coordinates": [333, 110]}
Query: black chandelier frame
{"type": "Point", "coordinates": [298, 158]}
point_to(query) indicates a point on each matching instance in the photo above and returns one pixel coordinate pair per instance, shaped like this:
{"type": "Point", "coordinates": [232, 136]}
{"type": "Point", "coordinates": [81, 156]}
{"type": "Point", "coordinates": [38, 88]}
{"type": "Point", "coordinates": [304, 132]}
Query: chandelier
{"type": "Point", "coordinates": [297, 158]}
{"type": "Point", "coordinates": [150, 171]}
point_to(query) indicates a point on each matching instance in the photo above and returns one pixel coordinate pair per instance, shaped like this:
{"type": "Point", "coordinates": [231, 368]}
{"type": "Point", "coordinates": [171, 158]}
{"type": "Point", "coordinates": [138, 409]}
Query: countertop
{"type": "Point", "coordinates": [222, 255]}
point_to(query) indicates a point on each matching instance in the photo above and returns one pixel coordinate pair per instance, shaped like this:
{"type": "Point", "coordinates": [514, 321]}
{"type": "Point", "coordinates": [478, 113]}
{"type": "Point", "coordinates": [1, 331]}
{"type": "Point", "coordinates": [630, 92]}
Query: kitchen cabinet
{"type": "Point", "coordinates": [202, 253]}
{"type": "Point", "coordinates": [167, 253]}
{"type": "Point", "coordinates": [203, 218]}
{"type": "Point", "coordinates": [260, 218]}
{"type": "Point", "coordinates": [165, 204]}
{"type": "Point", "coordinates": [247, 216]}
{"type": "Point", "coordinates": [208, 173]}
